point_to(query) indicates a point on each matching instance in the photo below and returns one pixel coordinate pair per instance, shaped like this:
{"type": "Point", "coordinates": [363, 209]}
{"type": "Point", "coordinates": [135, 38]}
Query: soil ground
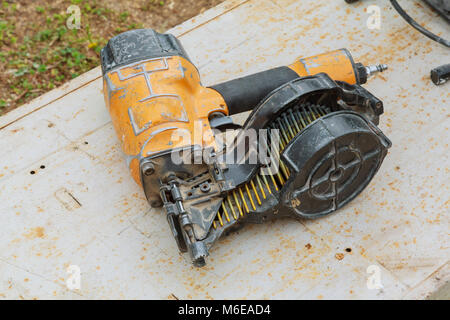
{"type": "Point", "coordinates": [38, 52]}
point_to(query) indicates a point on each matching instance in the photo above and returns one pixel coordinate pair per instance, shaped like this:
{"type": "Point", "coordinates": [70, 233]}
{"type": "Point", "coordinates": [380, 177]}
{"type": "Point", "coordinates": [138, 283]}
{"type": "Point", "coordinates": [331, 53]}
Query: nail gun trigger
{"type": "Point", "coordinates": [223, 123]}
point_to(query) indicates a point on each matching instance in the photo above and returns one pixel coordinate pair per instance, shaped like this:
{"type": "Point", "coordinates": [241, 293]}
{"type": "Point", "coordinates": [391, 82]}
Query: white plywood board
{"type": "Point", "coordinates": [84, 209]}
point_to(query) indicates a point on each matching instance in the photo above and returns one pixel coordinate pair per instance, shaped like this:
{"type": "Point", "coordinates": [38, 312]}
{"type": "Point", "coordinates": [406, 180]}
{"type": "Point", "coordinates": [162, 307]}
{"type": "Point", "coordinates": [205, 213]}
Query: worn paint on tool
{"type": "Point", "coordinates": [147, 102]}
{"type": "Point", "coordinates": [337, 64]}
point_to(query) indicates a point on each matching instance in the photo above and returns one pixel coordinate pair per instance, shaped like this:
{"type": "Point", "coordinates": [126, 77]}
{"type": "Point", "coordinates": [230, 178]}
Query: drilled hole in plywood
{"type": "Point", "coordinates": [42, 167]}
{"type": "Point", "coordinates": [86, 142]}
{"type": "Point", "coordinates": [348, 250]}
{"type": "Point", "coordinates": [32, 172]}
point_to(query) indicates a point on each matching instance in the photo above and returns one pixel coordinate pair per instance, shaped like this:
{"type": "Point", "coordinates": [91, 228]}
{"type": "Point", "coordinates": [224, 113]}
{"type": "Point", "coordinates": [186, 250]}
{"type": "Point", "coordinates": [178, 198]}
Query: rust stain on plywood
{"type": "Point", "coordinates": [34, 233]}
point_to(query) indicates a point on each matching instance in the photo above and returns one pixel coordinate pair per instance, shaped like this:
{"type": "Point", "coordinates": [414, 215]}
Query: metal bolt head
{"type": "Point", "coordinates": [148, 169]}
{"type": "Point", "coordinates": [205, 187]}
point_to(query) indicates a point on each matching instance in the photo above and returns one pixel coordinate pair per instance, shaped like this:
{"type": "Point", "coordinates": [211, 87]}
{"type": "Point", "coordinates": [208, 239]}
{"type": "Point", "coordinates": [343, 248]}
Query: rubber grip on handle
{"type": "Point", "coordinates": [244, 94]}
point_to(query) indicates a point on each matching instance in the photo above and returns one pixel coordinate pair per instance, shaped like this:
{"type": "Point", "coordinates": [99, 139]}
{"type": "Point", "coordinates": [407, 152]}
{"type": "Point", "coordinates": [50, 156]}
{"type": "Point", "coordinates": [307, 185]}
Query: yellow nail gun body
{"type": "Point", "coordinates": [158, 107]}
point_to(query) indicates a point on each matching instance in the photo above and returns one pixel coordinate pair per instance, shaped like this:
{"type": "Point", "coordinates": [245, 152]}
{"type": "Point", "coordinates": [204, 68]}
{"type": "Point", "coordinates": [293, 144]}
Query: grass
{"type": "Point", "coordinates": [38, 52]}
{"type": "Point", "coordinates": [51, 54]}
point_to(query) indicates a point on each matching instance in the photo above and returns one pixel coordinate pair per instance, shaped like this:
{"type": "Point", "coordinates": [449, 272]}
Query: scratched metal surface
{"type": "Point", "coordinates": [84, 209]}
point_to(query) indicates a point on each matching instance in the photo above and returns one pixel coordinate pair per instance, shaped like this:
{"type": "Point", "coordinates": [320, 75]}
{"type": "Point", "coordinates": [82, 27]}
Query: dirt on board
{"type": "Point", "coordinates": [44, 44]}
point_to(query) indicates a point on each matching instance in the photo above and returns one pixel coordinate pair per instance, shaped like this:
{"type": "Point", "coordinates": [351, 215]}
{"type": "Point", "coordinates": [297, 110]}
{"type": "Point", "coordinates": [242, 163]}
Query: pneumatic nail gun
{"type": "Point", "coordinates": [313, 120]}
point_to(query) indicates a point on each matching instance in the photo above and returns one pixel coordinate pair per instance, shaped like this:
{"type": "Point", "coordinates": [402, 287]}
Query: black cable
{"type": "Point", "coordinates": [418, 27]}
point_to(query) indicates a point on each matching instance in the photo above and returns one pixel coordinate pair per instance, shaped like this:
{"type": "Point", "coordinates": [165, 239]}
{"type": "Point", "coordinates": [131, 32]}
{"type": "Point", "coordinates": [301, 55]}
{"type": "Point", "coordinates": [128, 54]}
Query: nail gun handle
{"type": "Point", "coordinates": [244, 94]}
